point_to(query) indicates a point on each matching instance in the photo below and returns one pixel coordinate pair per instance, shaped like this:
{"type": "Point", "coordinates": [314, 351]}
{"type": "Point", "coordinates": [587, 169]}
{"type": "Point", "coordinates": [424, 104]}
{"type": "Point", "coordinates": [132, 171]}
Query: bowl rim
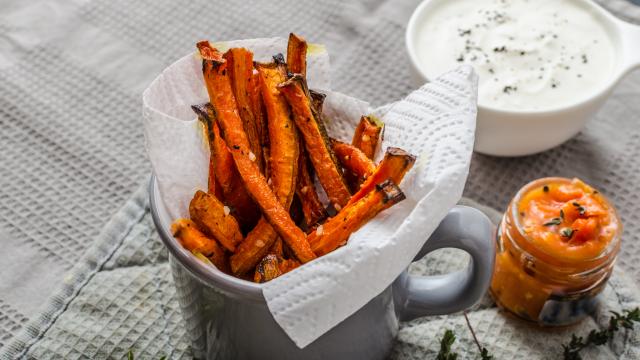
{"type": "Point", "coordinates": [207, 274]}
{"type": "Point", "coordinates": [608, 19]}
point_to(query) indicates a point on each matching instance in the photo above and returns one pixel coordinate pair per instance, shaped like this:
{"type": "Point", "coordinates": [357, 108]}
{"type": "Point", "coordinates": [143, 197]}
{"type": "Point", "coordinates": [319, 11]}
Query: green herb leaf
{"type": "Point", "coordinates": [561, 214]}
{"type": "Point", "coordinates": [567, 232]}
{"type": "Point", "coordinates": [484, 354]}
{"type": "Point", "coordinates": [445, 346]}
{"type": "Point", "coordinates": [572, 350]}
{"type": "Point", "coordinates": [581, 209]}
{"type": "Point", "coordinates": [130, 354]}
{"type": "Point", "coordinates": [554, 221]}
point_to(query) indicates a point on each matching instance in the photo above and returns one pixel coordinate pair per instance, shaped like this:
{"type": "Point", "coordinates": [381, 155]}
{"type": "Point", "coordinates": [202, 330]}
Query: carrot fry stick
{"type": "Point", "coordinates": [277, 248]}
{"type": "Point", "coordinates": [221, 96]}
{"type": "Point", "coordinates": [201, 111]}
{"type": "Point", "coordinates": [297, 55]}
{"type": "Point", "coordinates": [394, 166]}
{"type": "Point", "coordinates": [253, 248]}
{"type": "Point", "coordinates": [268, 269]}
{"type": "Point", "coordinates": [272, 266]}
{"type": "Point", "coordinates": [215, 220]}
{"type": "Point", "coordinates": [354, 161]}
{"type": "Point", "coordinates": [195, 241]}
{"type": "Point", "coordinates": [283, 136]}
{"type": "Point", "coordinates": [336, 231]}
{"type": "Point", "coordinates": [312, 207]}
{"type": "Point", "coordinates": [240, 68]}
{"type": "Point", "coordinates": [316, 141]}
{"type": "Point", "coordinates": [226, 174]}
{"type": "Point", "coordinates": [259, 115]}
{"type": "Point", "coordinates": [283, 164]}
{"type": "Point", "coordinates": [287, 265]}
{"type": "Point", "coordinates": [367, 135]}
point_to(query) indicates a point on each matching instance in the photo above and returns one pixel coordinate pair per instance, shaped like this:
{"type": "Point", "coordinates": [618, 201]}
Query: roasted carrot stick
{"type": "Point", "coordinates": [226, 174]}
{"type": "Point", "coordinates": [204, 116]}
{"type": "Point", "coordinates": [367, 135]}
{"type": "Point", "coordinates": [253, 248]}
{"type": "Point", "coordinates": [394, 166]}
{"type": "Point", "coordinates": [260, 117]}
{"type": "Point", "coordinates": [336, 231]}
{"type": "Point", "coordinates": [268, 269]}
{"type": "Point", "coordinates": [221, 96]}
{"type": "Point", "coordinates": [287, 265]}
{"type": "Point", "coordinates": [354, 161]}
{"type": "Point", "coordinates": [272, 266]}
{"type": "Point", "coordinates": [283, 136]}
{"type": "Point", "coordinates": [283, 163]}
{"type": "Point", "coordinates": [297, 55]}
{"type": "Point", "coordinates": [195, 241]}
{"type": "Point", "coordinates": [240, 68]}
{"type": "Point", "coordinates": [312, 207]}
{"type": "Point", "coordinates": [215, 219]}
{"type": "Point", "coordinates": [316, 141]}
{"type": "Point", "coordinates": [277, 248]}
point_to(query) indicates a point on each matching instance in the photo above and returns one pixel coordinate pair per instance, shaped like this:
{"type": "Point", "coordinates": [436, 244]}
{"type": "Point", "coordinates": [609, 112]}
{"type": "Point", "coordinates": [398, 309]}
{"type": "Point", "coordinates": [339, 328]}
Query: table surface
{"type": "Point", "coordinates": [71, 142]}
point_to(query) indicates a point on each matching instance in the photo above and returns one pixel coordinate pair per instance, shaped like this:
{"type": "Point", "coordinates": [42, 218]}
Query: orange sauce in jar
{"type": "Point", "coordinates": [557, 244]}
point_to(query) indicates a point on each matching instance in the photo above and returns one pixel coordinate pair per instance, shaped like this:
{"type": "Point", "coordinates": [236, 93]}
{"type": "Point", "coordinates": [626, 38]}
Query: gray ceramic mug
{"type": "Point", "coordinates": [228, 318]}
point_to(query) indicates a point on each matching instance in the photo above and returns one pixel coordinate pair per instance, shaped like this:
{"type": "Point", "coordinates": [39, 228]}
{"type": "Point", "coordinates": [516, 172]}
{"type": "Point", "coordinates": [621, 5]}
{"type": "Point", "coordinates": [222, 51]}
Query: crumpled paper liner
{"type": "Point", "coordinates": [435, 122]}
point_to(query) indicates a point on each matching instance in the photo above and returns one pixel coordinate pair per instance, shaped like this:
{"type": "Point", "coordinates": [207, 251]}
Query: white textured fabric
{"type": "Point", "coordinates": [71, 152]}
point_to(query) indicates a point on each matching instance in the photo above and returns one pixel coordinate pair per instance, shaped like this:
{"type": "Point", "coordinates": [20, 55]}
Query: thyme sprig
{"type": "Point", "coordinates": [445, 346]}
{"type": "Point", "coordinates": [449, 338]}
{"type": "Point", "coordinates": [572, 350]}
{"type": "Point", "coordinates": [484, 353]}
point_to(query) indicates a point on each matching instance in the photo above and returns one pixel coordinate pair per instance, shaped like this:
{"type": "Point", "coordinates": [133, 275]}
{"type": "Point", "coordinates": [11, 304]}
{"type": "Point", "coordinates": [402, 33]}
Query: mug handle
{"type": "Point", "coordinates": [463, 228]}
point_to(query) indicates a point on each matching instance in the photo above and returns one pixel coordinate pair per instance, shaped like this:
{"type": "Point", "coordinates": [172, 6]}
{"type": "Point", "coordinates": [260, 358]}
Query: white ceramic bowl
{"type": "Point", "coordinates": [516, 133]}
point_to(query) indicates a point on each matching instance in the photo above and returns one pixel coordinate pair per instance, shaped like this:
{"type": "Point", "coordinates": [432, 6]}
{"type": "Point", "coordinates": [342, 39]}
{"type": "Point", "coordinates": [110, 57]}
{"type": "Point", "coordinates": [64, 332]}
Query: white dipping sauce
{"type": "Point", "coordinates": [529, 54]}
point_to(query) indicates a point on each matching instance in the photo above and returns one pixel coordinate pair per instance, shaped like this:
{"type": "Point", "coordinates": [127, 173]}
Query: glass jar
{"type": "Point", "coordinates": [544, 286]}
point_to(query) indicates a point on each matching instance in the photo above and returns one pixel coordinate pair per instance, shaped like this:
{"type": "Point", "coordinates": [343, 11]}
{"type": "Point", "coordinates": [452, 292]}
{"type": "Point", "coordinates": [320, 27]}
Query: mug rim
{"type": "Point", "coordinates": [207, 274]}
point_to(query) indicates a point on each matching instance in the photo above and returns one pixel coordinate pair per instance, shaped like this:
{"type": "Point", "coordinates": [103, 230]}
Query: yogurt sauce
{"type": "Point", "coordinates": [529, 54]}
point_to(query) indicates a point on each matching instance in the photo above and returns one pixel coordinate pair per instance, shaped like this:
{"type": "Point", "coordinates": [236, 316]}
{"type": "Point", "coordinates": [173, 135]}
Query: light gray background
{"type": "Point", "coordinates": [71, 144]}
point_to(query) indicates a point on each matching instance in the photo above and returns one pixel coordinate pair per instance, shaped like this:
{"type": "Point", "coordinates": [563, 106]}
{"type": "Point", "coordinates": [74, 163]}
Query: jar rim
{"type": "Point", "coordinates": [611, 249]}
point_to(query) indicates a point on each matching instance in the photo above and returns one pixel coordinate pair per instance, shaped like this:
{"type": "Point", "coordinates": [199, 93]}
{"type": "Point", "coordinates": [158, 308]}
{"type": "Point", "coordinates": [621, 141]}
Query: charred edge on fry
{"type": "Point", "coordinates": [206, 114]}
{"type": "Point", "coordinates": [317, 100]}
{"type": "Point", "coordinates": [409, 159]}
{"type": "Point", "coordinates": [391, 192]}
{"type": "Point", "coordinates": [279, 59]}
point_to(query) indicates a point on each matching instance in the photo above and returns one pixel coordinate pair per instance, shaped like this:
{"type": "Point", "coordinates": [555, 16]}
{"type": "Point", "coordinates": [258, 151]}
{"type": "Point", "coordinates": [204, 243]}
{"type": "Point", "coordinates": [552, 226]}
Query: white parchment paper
{"type": "Point", "coordinates": [435, 122]}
